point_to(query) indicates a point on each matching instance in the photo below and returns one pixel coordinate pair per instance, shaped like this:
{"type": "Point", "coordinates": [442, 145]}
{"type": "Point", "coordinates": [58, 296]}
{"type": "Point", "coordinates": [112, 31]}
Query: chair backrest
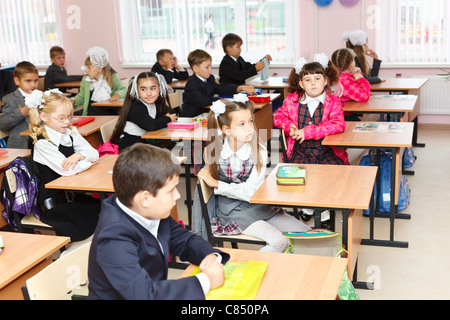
{"type": "Point", "coordinates": [283, 146]}
{"type": "Point", "coordinates": [107, 129]}
{"type": "Point", "coordinates": [174, 99]}
{"type": "Point", "coordinates": [4, 134]}
{"type": "Point", "coordinates": [40, 85]}
{"type": "Point", "coordinates": [11, 179]}
{"type": "Point", "coordinates": [60, 277]}
{"type": "Point", "coordinates": [207, 191]}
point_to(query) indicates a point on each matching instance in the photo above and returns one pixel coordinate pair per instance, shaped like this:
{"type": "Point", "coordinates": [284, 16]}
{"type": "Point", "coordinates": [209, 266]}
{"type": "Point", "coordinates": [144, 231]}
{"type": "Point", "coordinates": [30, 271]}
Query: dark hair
{"type": "Point", "coordinates": [230, 40]}
{"type": "Point", "coordinates": [162, 105]}
{"type": "Point", "coordinates": [55, 51]}
{"type": "Point", "coordinates": [342, 58]}
{"type": "Point", "coordinates": [142, 167]}
{"type": "Point", "coordinates": [330, 73]}
{"type": "Point", "coordinates": [197, 57]}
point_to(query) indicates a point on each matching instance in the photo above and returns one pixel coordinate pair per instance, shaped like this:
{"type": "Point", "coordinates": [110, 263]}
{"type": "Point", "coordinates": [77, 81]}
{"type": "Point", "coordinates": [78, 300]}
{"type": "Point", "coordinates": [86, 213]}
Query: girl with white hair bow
{"type": "Point", "coordinates": [100, 83]}
{"type": "Point", "coordinates": [357, 41]}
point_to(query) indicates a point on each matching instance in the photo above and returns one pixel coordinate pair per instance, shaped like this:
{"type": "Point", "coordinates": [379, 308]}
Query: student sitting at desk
{"type": "Point", "coordinates": [59, 150]}
{"type": "Point", "coordinates": [355, 86]}
{"type": "Point", "coordinates": [236, 168]}
{"type": "Point", "coordinates": [101, 83]}
{"type": "Point", "coordinates": [130, 250]}
{"type": "Point", "coordinates": [309, 113]}
{"type": "Point", "coordinates": [201, 87]}
{"type": "Point", "coordinates": [56, 73]}
{"type": "Point", "coordinates": [357, 41]}
{"type": "Point", "coordinates": [7, 84]}
{"type": "Point", "coordinates": [15, 112]}
{"type": "Point", "coordinates": [233, 68]}
{"type": "Point", "coordinates": [146, 108]}
{"type": "Point", "coordinates": [167, 65]}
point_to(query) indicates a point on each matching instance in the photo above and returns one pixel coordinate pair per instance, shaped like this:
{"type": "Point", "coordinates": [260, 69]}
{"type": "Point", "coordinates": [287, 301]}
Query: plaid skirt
{"type": "Point", "coordinates": [312, 154]}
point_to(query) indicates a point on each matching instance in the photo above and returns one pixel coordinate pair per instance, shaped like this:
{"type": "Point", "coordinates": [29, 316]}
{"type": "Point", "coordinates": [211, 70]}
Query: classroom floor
{"type": "Point", "coordinates": [419, 272]}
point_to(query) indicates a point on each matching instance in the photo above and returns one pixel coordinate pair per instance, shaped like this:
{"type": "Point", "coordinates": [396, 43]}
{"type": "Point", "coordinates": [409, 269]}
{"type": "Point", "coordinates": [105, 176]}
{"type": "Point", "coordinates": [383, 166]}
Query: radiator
{"type": "Point", "coordinates": [435, 96]}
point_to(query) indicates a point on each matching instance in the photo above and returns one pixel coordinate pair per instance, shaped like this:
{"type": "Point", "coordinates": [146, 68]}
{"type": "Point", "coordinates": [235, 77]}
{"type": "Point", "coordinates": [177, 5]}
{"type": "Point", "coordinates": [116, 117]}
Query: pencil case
{"type": "Point", "coordinates": [81, 121]}
{"type": "Point", "coordinates": [259, 99]}
{"type": "Point", "coordinates": [182, 125]}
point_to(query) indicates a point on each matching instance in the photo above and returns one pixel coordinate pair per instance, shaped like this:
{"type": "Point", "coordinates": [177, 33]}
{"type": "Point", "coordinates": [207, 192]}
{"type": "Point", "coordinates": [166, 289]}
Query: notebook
{"type": "Point", "coordinates": [291, 175]}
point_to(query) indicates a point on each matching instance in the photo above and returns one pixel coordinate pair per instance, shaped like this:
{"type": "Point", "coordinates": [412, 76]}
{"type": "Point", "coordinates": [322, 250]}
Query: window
{"type": "Point", "coordinates": [266, 26]}
{"type": "Point", "coordinates": [28, 29]}
{"type": "Point", "coordinates": [414, 31]}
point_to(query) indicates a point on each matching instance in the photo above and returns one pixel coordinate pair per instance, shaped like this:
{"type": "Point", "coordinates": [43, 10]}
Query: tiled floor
{"type": "Point", "coordinates": [421, 270]}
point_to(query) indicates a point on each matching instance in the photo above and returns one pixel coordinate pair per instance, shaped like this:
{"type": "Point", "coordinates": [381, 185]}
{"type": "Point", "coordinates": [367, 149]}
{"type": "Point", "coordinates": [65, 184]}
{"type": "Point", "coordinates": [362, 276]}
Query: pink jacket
{"type": "Point", "coordinates": [332, 122]}
{"type": "Point", "coordinates": [354, 90]}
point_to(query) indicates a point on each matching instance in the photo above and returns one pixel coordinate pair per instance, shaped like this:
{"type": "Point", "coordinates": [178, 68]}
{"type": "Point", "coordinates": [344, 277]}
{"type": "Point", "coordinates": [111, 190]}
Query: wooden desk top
{"type": "Point", "coordinates": [107, 103]}
{"type": "Point", "coordinates": [271, 83]}
{"type": "Point", "coordinates": [292, 276]}
{"type": "Point", "coordinates": [179, 84]}
{"type": "Point", "coordinates": [371, 139]}
{"type": "Point", "coordinates": [384, 103]}
{"type": "Point", "coordinates": [23, 251]}
{"type": "Point", "coordinates": [199, 133]}
{"type": "Point", "coordinates": [88, 128]}
{"type": "Point", "coordinates": [12, 154]}
{"type": "Point", "coordinates": [69, 84]}
{"type": "Point", "coordinates": [399, 84]}
{"type": "Point", "coordinates": [327, 186]}
{"type": "Point", "coordinates": [96, 179]}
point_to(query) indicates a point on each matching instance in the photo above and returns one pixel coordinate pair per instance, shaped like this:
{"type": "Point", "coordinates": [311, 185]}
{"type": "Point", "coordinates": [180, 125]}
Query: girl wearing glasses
{"type": "Point", "coordinates": [59, 150]}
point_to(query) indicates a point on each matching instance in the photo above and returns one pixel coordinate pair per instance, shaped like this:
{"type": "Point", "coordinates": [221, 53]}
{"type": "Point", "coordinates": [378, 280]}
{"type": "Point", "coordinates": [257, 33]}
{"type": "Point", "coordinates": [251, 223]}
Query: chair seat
{"type": "Point", "coordinates": [31, 220]}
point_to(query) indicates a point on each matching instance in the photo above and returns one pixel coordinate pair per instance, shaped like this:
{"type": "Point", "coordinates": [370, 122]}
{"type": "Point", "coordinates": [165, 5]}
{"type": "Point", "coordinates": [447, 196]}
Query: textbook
{"type": "Point", "coordinates": [291, 175]}
{"type": "Point", "coordinates": [379, 127]}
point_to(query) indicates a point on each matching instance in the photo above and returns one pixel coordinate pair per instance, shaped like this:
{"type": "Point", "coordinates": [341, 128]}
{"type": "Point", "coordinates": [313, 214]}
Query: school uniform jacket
{"type": "Point", "coordinates": [126, 261]}
{"type": "Point", "coordinates": [12, 120]}
{"type": "Point", "coordinates": [55, 75]}
{"type": "Point", "coordinates": [169, 75]}
{"type": "Point", "coordinates": [199, 94]}
{"type": "Point", "coordinates": [354, 90]}
{"type": "Point", "coordinates": [7, 84]}
{"type": "Point", "coordinates": [332, 121]}
{"type": "Point", "coordinates": [235, 71]}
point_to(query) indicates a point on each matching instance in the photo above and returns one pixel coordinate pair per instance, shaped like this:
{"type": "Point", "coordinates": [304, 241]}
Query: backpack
{"type": "Point", "coordinates": [384, 204]}
{"type": "Point", "coordinates": [326, 243]}
{"type": "Point", "coordinates": [408, 158]}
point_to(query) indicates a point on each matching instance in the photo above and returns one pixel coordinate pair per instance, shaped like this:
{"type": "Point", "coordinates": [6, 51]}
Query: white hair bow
{"type": "Point", "coordinates": [162, 86]}
{"type": "Point", "coordinates": [35, 99]}
{"type": "Point", "coordinates": [318, 57]}
{"type": "Point", "coordinates": [356, 37]}
{"type": "Point", "coordinates": [98, 56]}
{"type": "Point", "coordinates": [240, 97]}
{"type": "Point", "coordinates": [218, 107]}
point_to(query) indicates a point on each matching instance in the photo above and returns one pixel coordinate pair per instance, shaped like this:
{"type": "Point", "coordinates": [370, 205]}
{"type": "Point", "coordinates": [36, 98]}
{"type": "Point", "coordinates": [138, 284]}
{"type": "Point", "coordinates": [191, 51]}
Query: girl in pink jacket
{"type": "Point", "coordinates": [355, 86]}
{"type": "Point", "coordinates": [310, 112]}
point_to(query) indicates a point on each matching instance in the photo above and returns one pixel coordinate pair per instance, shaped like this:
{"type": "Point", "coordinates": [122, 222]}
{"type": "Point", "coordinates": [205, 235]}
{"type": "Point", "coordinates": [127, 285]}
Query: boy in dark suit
{"type": "Point", "coordinates": [130, 250]}
{"type": "Point", "coordinates": [202, 86]}
{"type": "Point", "coordinates": [233, 68]}
{"type": "Point", "coordinates": [7, 84]}
{"type": "Point", "coordinates": [56, 73]}
{"type": "Point", "coordinates": [15, 112]}
{"type": "Point", "coordinates": [167, 65]}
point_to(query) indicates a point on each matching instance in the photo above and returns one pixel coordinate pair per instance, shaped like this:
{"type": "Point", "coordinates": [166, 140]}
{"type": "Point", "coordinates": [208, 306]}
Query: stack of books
{"type": "Point", "coordinates": [291, 175]}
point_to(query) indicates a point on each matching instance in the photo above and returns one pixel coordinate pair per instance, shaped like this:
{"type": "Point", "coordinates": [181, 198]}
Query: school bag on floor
{"type": "Point", "coordinates": [404, 195]}
{"type": "Point", "coordinates": [408, 158]}
{"type": "Point", "coordinates": [325, 243]}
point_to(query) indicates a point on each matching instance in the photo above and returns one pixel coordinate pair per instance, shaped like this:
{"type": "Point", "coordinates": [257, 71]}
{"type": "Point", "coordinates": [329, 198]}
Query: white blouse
{"type": "Point", "coordinates": [242, 191]}
{"type": "Point", "coordinates": [47, 152]}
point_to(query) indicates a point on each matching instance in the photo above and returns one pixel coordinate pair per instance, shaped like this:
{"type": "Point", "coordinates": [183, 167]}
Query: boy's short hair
{"type": "Point", "coordinates": [197, 57]}
{"type": "Point", "coordinates": [142, 167]}
{"type": "Point", "coordinates": [56, 51]}
{"type": "Point", "coordinates": [230, 40]}
{"type": "Point", "coordinates": [23, 68]}
{"type": "Point", "coordinates": [160, 54]}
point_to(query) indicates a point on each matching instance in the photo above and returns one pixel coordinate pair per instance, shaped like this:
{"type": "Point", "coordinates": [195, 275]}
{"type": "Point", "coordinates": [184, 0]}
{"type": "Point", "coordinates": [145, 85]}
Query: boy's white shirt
{"type": "Point", "coordinates": [152, 226]}
{"type": "Point", "coordinates": [242, 191]}
{"type": "Point", "coordinates": [47, 153]}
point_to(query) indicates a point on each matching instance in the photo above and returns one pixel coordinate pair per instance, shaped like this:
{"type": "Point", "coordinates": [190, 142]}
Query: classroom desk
{"type": "Point", "coordinates": [5, 160]}
{"type": "Point", "coordinates": [90, 131]}
{"type": "Point", "coordinates": [384, 104]}
{"type": "Point", "coordinates": [96, 179]}
{"type": "Point", "coordinates": [375, 140]}
{"type": "Point", "coordinates": [272, 83]}
{"type": "Point", "coordinates": [69, 84]}
{"type": "Point", "coordinates": [292, 276]}
{"type": "Point", "coordinates": [110, 104]}
{"type": "Point", "coordinates": [404, 86]}
{"type": "Point", "coordinates": [24, 256]}
{"type": "Point", "coordinates": [332, 187]}
{"type": "Point", "coordinates": [178, 85]}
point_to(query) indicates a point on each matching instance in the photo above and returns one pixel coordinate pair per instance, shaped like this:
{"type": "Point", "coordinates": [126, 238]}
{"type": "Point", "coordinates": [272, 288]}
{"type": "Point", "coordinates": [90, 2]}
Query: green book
{"type": "Point", "coordinates": [291, 175]}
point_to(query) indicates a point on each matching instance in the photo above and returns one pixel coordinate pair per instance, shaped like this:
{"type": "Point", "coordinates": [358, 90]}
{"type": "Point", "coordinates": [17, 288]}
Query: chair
{"type": "Point", "coordinates": [40, 85]}
{"type": "Point", "coordinates": [205, 194]}
{"type": "Point", "coordinates": [174, 99]}
{"type": "Point", "coordinates": [58, 280]}
{"type": "Point", "coordinates": [283, 146]}
{"type": "Point", "coordinates": [107, 129]}
{"type": "Point", "coordinates": [28, 223]}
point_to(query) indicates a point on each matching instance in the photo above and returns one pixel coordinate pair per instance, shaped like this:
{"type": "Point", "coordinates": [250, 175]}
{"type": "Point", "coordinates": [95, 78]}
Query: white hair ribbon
{"type": "Point", "coordinates": [356, 37]}
{"type": "Point", "coordinates": [98, 56]}
{"type": "Point", "coordinates": [240, 97]}
{"type": "Point", "coordinates": [134, 89]}
{"type": "Point", "coordinates": [218, 107]}
{"type": "Point", "coordinates": [162, 85]}
{"type": "Point", "coordinates": [35, 99]}
{"type": "Point", "coordinates": [320, 58]}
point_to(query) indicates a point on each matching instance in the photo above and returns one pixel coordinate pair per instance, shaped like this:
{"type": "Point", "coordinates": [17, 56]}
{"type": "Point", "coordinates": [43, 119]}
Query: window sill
{"type": "Point", "coordinates": [414, 65]}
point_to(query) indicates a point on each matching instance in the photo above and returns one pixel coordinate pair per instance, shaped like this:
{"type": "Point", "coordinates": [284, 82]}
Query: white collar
{"type": "Point", "coordinates": [203, 79]}
{"type": "Point", "coordinates": [235, 59]}
{"type": "Point", "coordinates": [151, 225]}
{"type": "Point", "coordinates": [57, 137]}
{"type": "Point", "coordinates": [243, 153]}
{"type": "Point", "coordinates": [307, 99]}
{"type": "Point", "coordinates": [23, 93]}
